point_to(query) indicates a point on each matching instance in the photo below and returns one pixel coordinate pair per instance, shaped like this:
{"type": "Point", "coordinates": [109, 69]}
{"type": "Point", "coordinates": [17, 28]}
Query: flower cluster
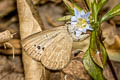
{"type": "Point", "coordinates": [81, 22]}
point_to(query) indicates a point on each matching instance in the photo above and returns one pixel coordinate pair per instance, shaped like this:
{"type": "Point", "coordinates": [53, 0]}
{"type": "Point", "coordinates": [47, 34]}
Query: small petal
{"type": "Point", "coordinates": [87, 14]}
{"type": "Point", "coordinates": [82, 13]}
{"type": "Point", "coordinates": [86, 17]}
{"type": "Point", "coordinates": [76, 12]}
{"type": "Point", "coordinates": [74, 19]}
{"type": "Point", "coordinates": [89, 27]}
{"type": "Point", "coordinates": [78, 33]}
{"type": "Point", "coordinates": [84, 30]}
{"type": "Point", "coordinates": [80, 29]}
{"type": "Point", "coordinates": [88, 21]}
{"type": "Point", "coordinates": [73, 23]}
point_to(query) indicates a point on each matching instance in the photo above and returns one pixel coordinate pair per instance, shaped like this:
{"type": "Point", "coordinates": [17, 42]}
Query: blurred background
{"type": "Point", "coordinates": [50, 10]}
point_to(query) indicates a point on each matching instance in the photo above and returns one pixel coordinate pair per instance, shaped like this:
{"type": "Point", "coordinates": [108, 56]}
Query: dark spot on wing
{"type": "Point", "coordinates": [43, 48]}
{"type": "Point", "coordinates": [35, 45]}
{"type": "Point", "coordinates": [38, 47]}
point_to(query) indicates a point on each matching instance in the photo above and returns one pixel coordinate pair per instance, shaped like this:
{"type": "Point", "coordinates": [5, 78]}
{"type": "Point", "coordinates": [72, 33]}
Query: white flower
{"type": "Point", "coordinates": [81, 22]}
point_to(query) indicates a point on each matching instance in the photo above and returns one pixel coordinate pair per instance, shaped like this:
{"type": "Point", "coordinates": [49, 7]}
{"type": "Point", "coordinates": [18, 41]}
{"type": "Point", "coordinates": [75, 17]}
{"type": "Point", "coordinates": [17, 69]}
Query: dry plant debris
{"type": "Point", "coordinates": [12, 69]}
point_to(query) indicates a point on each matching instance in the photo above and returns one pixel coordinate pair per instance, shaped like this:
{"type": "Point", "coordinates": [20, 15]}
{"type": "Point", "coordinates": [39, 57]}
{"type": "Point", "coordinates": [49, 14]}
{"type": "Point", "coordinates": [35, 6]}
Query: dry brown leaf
{"type": "Point", "coordinates": [30, 23]}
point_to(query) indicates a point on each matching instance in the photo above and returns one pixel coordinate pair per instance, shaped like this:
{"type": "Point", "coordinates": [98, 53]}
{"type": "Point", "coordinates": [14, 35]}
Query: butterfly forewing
{"type": "Point", "coordinates": [33, 45]}
{"type": "Point", "coordinates": [51, 47]}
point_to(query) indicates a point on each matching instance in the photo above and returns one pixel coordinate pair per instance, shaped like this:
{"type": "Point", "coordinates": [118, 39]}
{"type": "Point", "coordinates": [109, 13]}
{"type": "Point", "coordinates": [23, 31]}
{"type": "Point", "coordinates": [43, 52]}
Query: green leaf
{"type": "Point", "coordinates": [69, 6]}
{"type": "Point", "coordinates": [64, 18]}
{"type": "Point", "coordinates": [97, 49]}
{"type": "Point", "coordinates": [94, 71]}
{"type": "Point", "coordinates": [94, 12]}
{"type": "Point", "coordinates": [87, 1]}
{"type": "Point", "coordinates": [90, 3]}
{"type": "Point", "coordinates": [101, 4]}
{"type": "Point", "coordinates": [113, 12]}
{"type": "Point", "coordinates": [93, 6]}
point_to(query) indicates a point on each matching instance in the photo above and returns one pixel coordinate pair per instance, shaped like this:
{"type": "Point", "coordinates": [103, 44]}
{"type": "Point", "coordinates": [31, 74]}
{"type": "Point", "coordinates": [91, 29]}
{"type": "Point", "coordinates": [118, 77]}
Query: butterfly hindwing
{"type": "Point", "coordinates": [51, 47]}
{"type": "Point", "coordinates": [57, 55]}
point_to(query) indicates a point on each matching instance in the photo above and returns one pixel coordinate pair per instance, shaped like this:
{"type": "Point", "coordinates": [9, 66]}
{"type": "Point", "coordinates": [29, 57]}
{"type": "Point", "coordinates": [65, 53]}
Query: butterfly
{"type": "Point", "coordinates": [52, 47]}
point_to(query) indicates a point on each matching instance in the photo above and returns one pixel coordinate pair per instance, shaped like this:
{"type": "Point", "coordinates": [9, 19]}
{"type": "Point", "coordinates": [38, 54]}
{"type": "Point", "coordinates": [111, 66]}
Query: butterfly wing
{"type": "Point", "coordinates": [57, 55]}
{"type": "Point", "coordinates": [39, 44]}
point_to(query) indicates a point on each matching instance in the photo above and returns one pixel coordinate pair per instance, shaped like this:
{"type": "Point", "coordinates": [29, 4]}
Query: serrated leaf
{"type": "Point", "coordinates": [113, 12]}
{"type": "Point", "coordinates": [64, 18]}
{"type": "Point", "coordinates": [97, 50]}
{"type": "Point", "coordinates": [94, 71]}
{"type": "Point", "coordinates": [69, 6]}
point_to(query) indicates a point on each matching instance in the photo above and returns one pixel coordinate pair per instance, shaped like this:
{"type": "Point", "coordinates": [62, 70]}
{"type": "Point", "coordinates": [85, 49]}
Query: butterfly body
{"type": "Point", "coordinates": [51, 47]}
